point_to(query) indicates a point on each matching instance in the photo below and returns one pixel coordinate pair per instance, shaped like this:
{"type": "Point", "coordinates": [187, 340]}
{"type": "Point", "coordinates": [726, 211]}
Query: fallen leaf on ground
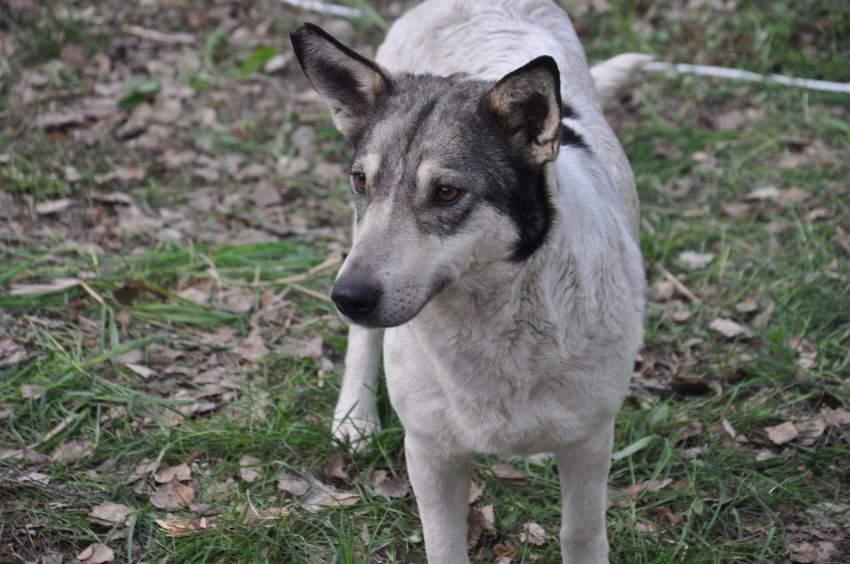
{"type": "Point", "coordinates": [253, 349]}
{"type": "Point", "coordinates": [180, 472]}
{"type": "Point", "coordinates": [32, 391]}
{"type": "Point", "coordinates": [694, 260]}
{"type": "Point", "coordinates": [781, 434]}
{"type": "Point", "coordinates": [140, 369]}
{"type": "Point", "coordinates": [389, 485]}
{"type": "Point", "coordinates": [304, 348]}
{"type": "Point", "coordinates": [765, 193]}
{"type": "Point", "coordinates": [108, 513]}
{"type": "Point", "coordinates": [837, 416]}
{"type": "Point", "coordinates": [729, 329]}
{"type": "Point", "coordinates": [185, 527]}
{"type": "Point", "coordinates": [58, 285]}
{"type": "Point", "coordinates": [292, 484]}
{"type": "Point", "coordinates": [736, 209]}
{"type": "Point", "coordinates": [794, 195]}
{"type": "Point", "coordinates": [10, 351]}
{"type": "Point", "coordinates": [810, 430]}
{"type": "Point", "coordinates": [53, 206]}
{"type": "Point", "coordinates": [508, 473]}
{"type": "Point", "coordinates": [323, 495]}
{"type": "Point", "coordinates": [818, 552]}
{"type": "Point", "coordinates": [749, 304]}
{"type": "Point", "coordinates": [172, 496]}
{"type": "Point", "coordinates": [71, 451]}
{"type": "Point", "coordinates": [533, 533]}
{"type": "Point", "coordinates": [336, 467]}
{"type": "Point", "coordinates": [250, 469]}
{"type": "Point", "coordinates": [481, 520]}
{"type": "Point", "coordinates": [476, 490]}
{"type": "Point", "coordinates": [96, 553]}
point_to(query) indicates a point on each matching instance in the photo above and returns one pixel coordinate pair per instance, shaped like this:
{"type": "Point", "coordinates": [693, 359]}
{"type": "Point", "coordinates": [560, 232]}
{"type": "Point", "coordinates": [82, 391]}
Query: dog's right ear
{"type": "Point", "coordinates": [348, 82]}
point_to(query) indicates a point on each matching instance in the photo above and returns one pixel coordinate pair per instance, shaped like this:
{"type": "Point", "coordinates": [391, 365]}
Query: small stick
{"type": "Point", "coordinates": [737, 74]}
{"type": "Point", "coordinates": [681, 288]}
{"type": "Point", "coordinates": [160, 37]}
{"type": "Point", "coordinates": [322, 8]}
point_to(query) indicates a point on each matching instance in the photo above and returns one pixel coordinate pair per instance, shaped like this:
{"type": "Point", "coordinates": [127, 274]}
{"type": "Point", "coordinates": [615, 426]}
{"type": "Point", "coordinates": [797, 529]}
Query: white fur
{"type": "Point", "coordinates": [513, 360]}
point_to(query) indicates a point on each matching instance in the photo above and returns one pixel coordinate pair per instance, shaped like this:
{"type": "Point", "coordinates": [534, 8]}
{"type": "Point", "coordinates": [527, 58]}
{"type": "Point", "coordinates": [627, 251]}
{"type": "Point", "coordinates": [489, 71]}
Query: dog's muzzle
{"type": "Point", "coordinates": [356, 297]}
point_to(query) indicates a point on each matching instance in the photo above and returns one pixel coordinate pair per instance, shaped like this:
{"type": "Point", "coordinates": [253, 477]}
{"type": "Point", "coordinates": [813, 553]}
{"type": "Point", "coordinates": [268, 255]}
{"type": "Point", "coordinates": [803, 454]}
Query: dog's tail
{"type": "Point", "coordinates": [612, 75]}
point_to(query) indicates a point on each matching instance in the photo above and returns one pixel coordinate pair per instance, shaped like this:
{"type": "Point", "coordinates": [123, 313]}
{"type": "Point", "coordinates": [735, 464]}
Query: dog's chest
{"type": "Point", "coordinates": [528, 397]}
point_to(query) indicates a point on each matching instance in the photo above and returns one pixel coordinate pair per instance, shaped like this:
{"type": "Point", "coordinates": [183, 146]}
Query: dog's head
{"type": "Point", "coordinates": [447, 173]}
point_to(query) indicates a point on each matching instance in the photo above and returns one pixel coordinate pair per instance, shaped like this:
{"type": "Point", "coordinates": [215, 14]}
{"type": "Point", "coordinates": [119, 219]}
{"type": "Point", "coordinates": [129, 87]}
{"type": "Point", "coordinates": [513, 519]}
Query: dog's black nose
{"type": "Point", "coordinates": [355, 297]}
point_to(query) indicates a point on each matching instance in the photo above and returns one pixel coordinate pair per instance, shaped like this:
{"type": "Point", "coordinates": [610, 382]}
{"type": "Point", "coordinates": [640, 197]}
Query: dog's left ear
{"type": "Point", "coordinates": [527, 104]}
{"type": "Point", "coordinates": [348, 82]}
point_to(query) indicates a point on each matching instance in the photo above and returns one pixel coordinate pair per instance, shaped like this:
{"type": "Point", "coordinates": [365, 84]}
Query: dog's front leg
{"type": "Point", "coordinates": [355, 416]}
{"type": "Point", "coordinates": [583, 471]}
{"type": "Point", "coordinates": [441, 487]}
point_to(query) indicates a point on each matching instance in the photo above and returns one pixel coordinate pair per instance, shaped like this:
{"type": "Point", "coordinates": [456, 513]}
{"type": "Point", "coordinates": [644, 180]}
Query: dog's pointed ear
{"type": "Point", "coordinates": [348, 82]}
{"type": "Point", "coordinates": [527, 105]}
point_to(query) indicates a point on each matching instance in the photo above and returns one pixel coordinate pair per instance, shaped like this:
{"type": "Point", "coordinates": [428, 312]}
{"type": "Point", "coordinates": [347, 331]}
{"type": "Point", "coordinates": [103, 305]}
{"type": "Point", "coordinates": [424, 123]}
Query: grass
{"type": "Point", "coordinates": [706, 497]}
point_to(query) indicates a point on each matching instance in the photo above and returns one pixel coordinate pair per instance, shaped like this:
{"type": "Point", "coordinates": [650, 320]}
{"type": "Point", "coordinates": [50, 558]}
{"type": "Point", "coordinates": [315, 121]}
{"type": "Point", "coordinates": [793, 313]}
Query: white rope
{"type": "Point", "coordinates": [322, 8]}
{"type": "Point", "coordinates": [735, 74]}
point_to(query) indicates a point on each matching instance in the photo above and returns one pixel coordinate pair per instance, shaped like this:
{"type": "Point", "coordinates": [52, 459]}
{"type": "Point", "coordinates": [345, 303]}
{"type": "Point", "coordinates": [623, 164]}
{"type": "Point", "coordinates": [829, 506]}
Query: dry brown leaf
{"type": "Point", "coordinates": [53, 206]}
{"type": "Point", "coordinates": [71, 451]}
{"type": "Point", "coordinates": [58, 285]}
{"type": "Point", "coordinates": [533, 533]}
{"type": "Point", "coordinates": [818, 552]}
{"type": "Point", "coordinates": [108, 513]}
{"type": "Point", "coordinates": [749, 304]}
{"type": "Point", "coordinates": [250, 468]}
{"type": "Point", "coordinates": [180, 472]}
{"type": "Point", "coordinates": [695, 261]}
{"type": "Point", "coordinates": [794, 196]}
{"type": "Point", "coordinates": [240, 300]}
{"type": "Point", "coordinates": [765, 193]}
{"type": "Point", "coordinates": [292, 484]}
{"type": "Point", "coordinates": [781, 434]}
{"type": "Point", "coordinates": [253, 349]}
{"type": "Point", "coordinates": [32, 391]}
{"type": "Point", "coordinates": [172, 496]}
{"type": "Point", "coordinates": [729, 329]}
{"type": "Point", "coordinates": [644, 528]}
{"type": "Point", "coordinates": [185, 527]}
{"type": "Point", "coordinates": [140, 369]}
{"type": "Point", "coordinates": [323, 495]}
{"type": "Point", "coordinates": [96, 553]}
{"type": "Point", "coordinates": [481, 520]}
{"type": "Point", "coordinates": [660, 291]}
{"type": "Point", "coordinates": [578, 8]}
{"type": "Point", "coordinates": [508, 473]}
{"type": "Point", "coordinates": [736, 209]}
{"type": "Point", "coordinates": [389, 485]}
{"type": "Point", "coordinates": [811, 429]}
{"type": "Point", "coordinates": [336, 467]}
{"type": "Point", "coordinates": [476, 490]}
{"type": "Point", "coordinates": [837, 416]}
{"type": "Point", "coordinates": [728, 429]}
{"type": "Point", "coordinates": [10, 351]}
{"type": "Point", "coordinates": [309, 348]}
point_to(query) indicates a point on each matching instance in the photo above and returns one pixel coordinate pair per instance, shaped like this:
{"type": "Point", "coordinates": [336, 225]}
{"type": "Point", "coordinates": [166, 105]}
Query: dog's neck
{"type": "Point", "coordinates": [583, 270]}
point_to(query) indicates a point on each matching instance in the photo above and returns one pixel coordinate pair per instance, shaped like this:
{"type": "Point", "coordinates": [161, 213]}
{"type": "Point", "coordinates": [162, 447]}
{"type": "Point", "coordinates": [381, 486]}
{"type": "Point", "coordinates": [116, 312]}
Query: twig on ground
{"type": "Point", "coordinates": [737, 74]}
{"type": "Point", "coordinates": [158, 36]}
{"type": "Point", "coordinates": [323, 8]}
{"type": "Point", "coordinates": [681, 288]}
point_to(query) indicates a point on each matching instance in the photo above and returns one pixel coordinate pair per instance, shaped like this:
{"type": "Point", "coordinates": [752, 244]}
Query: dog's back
{"type": "Point", "coordinates": [487, 39]}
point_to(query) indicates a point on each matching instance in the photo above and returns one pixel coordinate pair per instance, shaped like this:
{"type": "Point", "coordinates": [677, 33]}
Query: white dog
{"type": "Point", "coordinates": [495, 252]}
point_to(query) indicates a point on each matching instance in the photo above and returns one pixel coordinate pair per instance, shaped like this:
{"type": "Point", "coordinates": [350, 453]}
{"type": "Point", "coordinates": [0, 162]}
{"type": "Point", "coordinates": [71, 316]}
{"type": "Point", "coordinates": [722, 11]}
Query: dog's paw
{"type": "Point", "coordinates": [356, 432]}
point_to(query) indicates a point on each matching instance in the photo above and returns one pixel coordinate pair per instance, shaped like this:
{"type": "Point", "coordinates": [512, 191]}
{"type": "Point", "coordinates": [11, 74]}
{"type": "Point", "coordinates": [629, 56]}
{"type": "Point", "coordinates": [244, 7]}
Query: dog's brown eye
{"type": "Point", "coordinates": [446, 194]}
{"type": "Point", "coordinates": [358, 181]}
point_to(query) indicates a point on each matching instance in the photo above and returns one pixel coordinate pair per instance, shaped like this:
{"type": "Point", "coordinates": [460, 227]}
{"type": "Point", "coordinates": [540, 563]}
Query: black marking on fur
{"type": "Point", "coordinates": [530, 207]}
{"type": "Point", "coordinates": [567, 111]}
{"type": "Point", "coordinates": [419, 121]}
{"type": "Point", "coordinates": [571, 137]}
